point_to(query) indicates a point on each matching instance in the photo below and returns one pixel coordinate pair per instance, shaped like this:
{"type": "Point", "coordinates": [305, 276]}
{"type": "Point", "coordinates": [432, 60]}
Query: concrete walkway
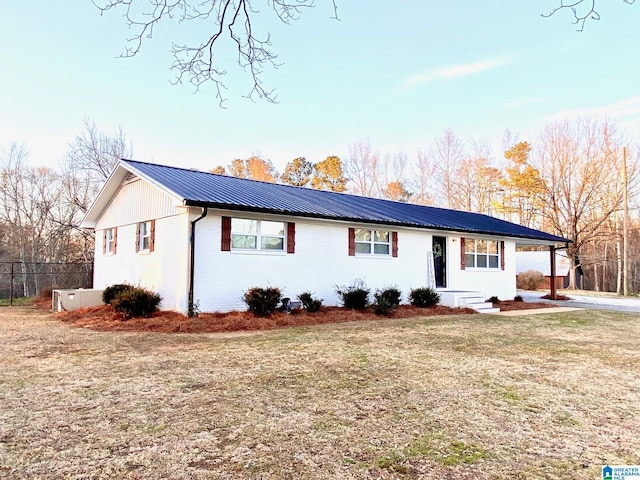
{"type": "Point", "coordinates": [582, 299]}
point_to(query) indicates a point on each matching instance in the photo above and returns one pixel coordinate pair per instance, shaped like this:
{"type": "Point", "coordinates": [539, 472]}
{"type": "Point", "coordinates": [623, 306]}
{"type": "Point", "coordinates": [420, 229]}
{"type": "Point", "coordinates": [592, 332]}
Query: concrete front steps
{"type": "Point", "coordinates": [468, 299]}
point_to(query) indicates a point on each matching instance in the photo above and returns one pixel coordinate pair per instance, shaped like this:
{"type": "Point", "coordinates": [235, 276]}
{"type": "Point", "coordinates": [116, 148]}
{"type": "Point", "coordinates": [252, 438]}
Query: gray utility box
{"type": "Point", "coordinates": [63, 300]}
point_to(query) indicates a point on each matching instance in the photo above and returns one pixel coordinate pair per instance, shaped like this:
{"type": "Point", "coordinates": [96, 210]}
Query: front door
{"type": "Point", "coordinates": [439, 249]}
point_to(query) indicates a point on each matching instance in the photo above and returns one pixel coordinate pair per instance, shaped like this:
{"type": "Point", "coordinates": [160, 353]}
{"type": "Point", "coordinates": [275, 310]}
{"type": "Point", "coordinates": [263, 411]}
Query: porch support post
{"type": "Point", "coordinates": [553, 294]}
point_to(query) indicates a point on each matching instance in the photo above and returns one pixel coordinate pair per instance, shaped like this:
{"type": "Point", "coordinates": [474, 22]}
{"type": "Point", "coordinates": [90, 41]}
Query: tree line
{"type": "Point", "coordinates": [568, 180]}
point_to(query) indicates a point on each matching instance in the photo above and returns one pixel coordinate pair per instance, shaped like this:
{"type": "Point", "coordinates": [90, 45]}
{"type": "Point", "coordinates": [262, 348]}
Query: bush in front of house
{"type": "Point", "coordinates": [529, 280]}
{"type": "Point", "coordinates": [136, 302]}
{"type": "Point", "coordinates": [423, 297]}
{"type": "Point", "coordinates": [262, 302]}
{"type": "Point", "coordinates": [386, 300]}
{"type": "Point", "coordinates": [112, 291]}
{"type": "Point", "coordinates": [354, 297]}
{"type": "Point", "coordinates": [310, 304]}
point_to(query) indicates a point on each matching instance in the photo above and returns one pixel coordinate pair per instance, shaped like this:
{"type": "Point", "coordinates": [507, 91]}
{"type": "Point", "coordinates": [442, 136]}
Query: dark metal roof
{"type": "Point", "coordinates": [203, 189]}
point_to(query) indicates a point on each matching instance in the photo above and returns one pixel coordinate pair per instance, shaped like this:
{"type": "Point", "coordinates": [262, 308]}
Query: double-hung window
{"type": "Point", "coordinates": [109, 241]}
{"type": "Point", "coordinates": [145, 236]}
{"type": "Point", "coordinates": [366, 241]}
{"type": "Point", "coordinates": [373, 242]}
{"type": "Point", "coordinates": [249, 234]}
{"type": "Point", "coordinates": [481, 253]}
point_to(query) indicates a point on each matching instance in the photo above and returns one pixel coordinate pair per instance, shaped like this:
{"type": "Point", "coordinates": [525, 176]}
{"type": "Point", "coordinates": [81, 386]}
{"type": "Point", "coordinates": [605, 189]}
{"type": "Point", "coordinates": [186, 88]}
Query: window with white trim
{"type": "Point", "coordinates": [110, 241]}
{"type": "Point", "coordinates": [145, 236]}
{"type": "Point", "coordinates": [249, 234]}
{"type": "Point", "coordinates": [481, 253]}
{"type": "Point", "coordinates": [372, 242]}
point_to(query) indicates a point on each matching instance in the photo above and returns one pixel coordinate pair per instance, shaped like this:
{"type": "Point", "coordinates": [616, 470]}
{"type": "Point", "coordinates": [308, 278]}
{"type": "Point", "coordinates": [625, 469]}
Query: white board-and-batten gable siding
{"type": "Point", "coordinates": [138, 200]}
{"type": "Point", "coordinates": [164, 270]}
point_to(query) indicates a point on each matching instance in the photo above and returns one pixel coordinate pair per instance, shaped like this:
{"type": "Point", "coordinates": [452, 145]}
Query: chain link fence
{"type": "Point", "coordinates": [28, 279]}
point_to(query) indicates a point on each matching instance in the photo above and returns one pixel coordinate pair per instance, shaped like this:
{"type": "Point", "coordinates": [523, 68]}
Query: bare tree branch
{"type": "Point", "coordinates": [199, 63]}
{"type": "Point", "coordinates": [582, 10]}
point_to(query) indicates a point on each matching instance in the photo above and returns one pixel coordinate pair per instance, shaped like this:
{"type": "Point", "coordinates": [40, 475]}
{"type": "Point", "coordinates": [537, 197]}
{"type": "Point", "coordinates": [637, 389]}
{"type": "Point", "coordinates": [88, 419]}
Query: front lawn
{"type": "Point", "coordinates": [551, 395]}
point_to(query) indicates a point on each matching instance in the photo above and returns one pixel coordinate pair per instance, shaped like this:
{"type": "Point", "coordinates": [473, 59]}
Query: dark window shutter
{"type": "Point", "coordinates": [394, 244]}
{"type": "Point", "coordinates": [152, 236]}
{"type": "Point", "coordinates": [352, 242]}
{"type": "Point", "coordinates": [502, 254]}
{"type": "Point", "coordinates": [138, 237]}
{"type": "Point", "coordinates": [115, 240]}
{"type": "Point", "coordinates": [462, 262]}
{"type": "Point", "coordinates": [291, 237]}
{"type": "Point", "coordinates": [104, 242]}
{"type": "Point", "coordinates": [226, 234]}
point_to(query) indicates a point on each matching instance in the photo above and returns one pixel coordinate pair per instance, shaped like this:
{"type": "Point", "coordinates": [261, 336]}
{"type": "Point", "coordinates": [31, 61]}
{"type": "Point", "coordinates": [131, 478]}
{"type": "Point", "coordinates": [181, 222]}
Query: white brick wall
{"type": "Point", "coordinates": [501, 283]}
{"type": "Point", "coordinates": [320, 262]}
{"type": "Point", "coordinates": [165, 269]}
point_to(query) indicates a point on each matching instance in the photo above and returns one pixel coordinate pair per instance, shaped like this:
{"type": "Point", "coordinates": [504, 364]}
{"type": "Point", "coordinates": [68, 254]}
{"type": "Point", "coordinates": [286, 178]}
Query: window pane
{"type": "Point", "coordinates": [363, 235]}
{"type": "Point", "coordinates": [381, 236]}
{"type": "Point", "coordinates": [244, 226]}
{"type": "Point", "coordinates": [481, 246]}
{"type": "Point", "coordinates": [381, 249]}
{"type": "Point", "coordinates": [272, 228]}
{"type": "Point", "coordinates": [493, 261]}
{"type": "Point", "coordinates": [271, 243]}
{"type": "Point", "coordinates": [482, 261]}
{"type": "Point", "coordinates": [469, 260]}
{"type": "Point", "coordinates": [493, 247]}
{"type": "Point", "coordinates": [243, 241]}
{"type": "Point", "coordinates": [363, 247]}
{"type": "Point", "coordinates": [469, 245]}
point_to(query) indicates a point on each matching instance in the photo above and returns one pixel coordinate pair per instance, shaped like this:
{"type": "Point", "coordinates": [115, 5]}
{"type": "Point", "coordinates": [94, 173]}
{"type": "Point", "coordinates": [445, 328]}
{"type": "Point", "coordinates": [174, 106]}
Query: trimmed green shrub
{"type": "Point", "coordinates": [310, 304]}
{"type": "Point", "coordinates": [386, 300]}
{"type": "Point", "coordinates": [518, 298]}
{"type": "Point", "coordinates": [423, 297]}
{"type": "Point", "coordinates": [262, 302]}
{"type": "Point", "coordinates": [112, 291]}
{"type": "Point", "coordinates": [493, 300]}
{"type": "Point", "coordinates": [136, 302]}
{"type": "Point", "coordinates": [354, 297]}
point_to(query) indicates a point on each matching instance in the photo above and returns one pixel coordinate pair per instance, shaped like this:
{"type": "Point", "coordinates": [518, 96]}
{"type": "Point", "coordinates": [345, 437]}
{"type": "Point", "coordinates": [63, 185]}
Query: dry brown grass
{"type": "Point", "coordinates": [459, 396]}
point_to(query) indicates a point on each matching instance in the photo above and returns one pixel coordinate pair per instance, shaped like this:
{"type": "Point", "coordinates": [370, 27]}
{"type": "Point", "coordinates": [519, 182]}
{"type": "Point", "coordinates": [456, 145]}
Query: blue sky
{"type": "Point", "coordinates": [397, 77]}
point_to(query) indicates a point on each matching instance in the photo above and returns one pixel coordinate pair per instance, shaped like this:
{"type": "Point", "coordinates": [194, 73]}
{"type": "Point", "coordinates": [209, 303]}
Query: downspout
{"type": "Point", "coordinates": [192, 259]}
{"type": "Point", "coordinates": [553, 294]}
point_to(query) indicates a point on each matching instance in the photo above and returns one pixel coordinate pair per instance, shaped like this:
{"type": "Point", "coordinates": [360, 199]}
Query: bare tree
{"type": "Point", "coordinates": [422, 178]}
{"type": "Point", "coordinates": [362, 168]}
{"type": "Point", "coordinates": [582, 10]}
{"type": "Point", "coordinates": [234, 21]}
{"type": "Point", "coordinates": [36, 215]}
{"type": "Point", "coordinates": [578, 163]}
{"type": "Point", "coordinates": [448, 151]}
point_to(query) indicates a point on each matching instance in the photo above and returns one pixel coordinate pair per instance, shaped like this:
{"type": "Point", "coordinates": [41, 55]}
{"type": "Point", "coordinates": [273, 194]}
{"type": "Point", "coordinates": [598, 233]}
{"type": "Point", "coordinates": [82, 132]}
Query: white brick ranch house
{"type": "Point", "coordinates": [204, 238]}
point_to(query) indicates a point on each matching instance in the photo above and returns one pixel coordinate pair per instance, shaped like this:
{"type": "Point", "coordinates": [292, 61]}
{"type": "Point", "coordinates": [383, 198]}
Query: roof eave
{"type": "Point", "coordinates": [523, 240]}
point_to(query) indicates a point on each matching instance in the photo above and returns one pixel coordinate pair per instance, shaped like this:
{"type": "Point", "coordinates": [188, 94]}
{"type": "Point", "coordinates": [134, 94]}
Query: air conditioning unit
{"type": "Point", "coordinates": [64, 300]}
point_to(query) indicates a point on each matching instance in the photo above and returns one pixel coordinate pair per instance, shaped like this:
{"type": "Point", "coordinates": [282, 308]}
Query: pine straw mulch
{"type": "Point", "coordinates": [105, 318]}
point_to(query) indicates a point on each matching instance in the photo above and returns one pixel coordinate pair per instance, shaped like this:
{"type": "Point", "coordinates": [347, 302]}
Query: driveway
{"type": "Point", "coordinates": [584, 300]}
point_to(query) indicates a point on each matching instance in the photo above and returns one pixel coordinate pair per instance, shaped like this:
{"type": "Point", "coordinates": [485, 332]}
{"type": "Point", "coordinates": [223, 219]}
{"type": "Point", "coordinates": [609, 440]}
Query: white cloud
{"type": "Point", "coordinates": [455, 71]}
{"type": "Point", "coordinates": [629, 107]}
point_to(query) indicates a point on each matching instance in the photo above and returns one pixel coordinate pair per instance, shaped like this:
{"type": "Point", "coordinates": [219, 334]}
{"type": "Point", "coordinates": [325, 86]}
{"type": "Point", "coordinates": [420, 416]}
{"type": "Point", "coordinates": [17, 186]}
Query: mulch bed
{"type": "Point", "coordinates": [105, 318]}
